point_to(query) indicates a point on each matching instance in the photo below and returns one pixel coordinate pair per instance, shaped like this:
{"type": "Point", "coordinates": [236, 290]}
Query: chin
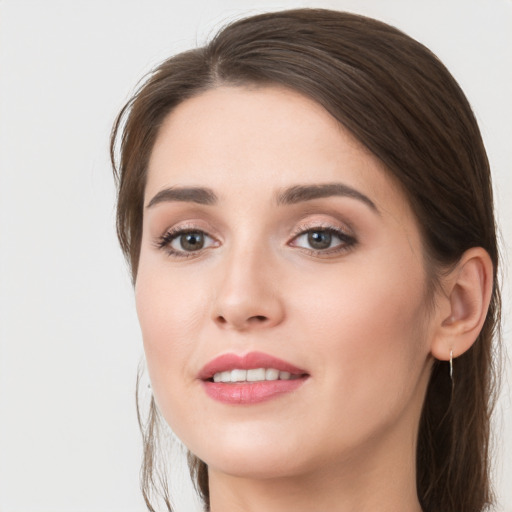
{"type": "Point", "coordinates": [264, 467]}
{"type": "Point", "coordinates": [252, 457]}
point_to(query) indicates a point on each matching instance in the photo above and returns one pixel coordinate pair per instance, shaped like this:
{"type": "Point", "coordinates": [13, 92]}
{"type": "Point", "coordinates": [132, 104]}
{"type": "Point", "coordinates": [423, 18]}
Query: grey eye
{"type": "Point", "coordinates": [192, 241]}
{"type": "Point", "coordinates": [324, 240]}
{"type": "Point", "coordinates": [319, 239]}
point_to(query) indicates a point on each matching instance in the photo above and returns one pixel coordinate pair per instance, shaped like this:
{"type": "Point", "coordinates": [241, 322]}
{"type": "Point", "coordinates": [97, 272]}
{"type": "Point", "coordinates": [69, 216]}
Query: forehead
{"type": "Point", "coordinates": [239, 139]}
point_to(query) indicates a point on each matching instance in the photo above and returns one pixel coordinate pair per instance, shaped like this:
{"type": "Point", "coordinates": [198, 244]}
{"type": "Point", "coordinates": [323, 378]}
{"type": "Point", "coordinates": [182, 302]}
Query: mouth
{"type": "Point", "coordinates": [250, 379]}
{"type": "Point", "coordinates": [254, 375]}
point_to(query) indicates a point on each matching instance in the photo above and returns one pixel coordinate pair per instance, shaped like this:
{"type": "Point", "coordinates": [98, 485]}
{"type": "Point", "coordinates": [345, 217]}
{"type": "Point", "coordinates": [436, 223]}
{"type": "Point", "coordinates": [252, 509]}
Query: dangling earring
{"type": "Point", "coordinates": [451, 365]}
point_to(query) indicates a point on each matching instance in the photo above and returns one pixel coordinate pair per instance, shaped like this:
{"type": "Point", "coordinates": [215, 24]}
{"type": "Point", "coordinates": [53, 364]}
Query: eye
{"type": "Point", "coordinates": [323, 240]}
{"type": "Point", "coordinates": [185, 242]}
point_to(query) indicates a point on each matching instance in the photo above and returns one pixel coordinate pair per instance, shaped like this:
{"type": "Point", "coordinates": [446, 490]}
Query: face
{"type": "Point", "coordinates": [276, 247]}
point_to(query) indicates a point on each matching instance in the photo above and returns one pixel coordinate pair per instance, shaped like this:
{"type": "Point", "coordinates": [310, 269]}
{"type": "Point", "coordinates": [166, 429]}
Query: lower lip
{"type": "Point", "coordinates": [241, 393]}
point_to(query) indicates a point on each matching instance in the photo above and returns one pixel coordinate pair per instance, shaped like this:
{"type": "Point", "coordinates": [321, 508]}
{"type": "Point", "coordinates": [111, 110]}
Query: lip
{"type": "Point", "coordinates": [250, 361]}
{"type": "Point", "coordinates": [247, 393]}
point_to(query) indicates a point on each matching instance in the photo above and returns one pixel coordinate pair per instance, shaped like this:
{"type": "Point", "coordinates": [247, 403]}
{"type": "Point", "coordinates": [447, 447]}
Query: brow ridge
{"type": "Point", "coordinates": [291, 195]}
{"type": "Point", "coordinates": [199, 195]}
{"type": "Point", "coordinates": [299, 193]}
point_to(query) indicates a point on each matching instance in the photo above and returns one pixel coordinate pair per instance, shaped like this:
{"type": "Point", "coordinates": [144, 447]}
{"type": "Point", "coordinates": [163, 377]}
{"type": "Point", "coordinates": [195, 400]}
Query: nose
{"type": "Point", "coordinates": [248, 296]}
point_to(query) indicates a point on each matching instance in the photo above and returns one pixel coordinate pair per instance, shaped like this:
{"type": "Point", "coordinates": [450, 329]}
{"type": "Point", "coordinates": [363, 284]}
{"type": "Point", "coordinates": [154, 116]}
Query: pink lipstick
{"type": "Point", "coordinates": [249, 379]}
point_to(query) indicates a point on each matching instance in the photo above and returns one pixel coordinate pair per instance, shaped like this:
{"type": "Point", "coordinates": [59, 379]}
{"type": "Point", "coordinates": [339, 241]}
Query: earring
{"type": "Point", "coordinates": [451, 364]}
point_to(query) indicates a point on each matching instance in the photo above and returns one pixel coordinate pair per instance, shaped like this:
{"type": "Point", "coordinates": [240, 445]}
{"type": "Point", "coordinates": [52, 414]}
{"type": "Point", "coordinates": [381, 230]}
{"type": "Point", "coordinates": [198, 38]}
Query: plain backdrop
{"type": "Point", "coordinates": [69, 339]}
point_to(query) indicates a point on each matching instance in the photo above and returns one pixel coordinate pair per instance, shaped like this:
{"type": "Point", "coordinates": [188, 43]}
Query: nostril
{"type": "Point", "coordinates": [242, 322]}
{"type": "Point", "coordinates": [258, 318]}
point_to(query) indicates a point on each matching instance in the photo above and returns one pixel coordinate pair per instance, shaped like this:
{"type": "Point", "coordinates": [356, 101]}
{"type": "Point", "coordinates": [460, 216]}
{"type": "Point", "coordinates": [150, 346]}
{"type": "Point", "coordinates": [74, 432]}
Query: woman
{"type": "Point", "coordinates": [306, 207]}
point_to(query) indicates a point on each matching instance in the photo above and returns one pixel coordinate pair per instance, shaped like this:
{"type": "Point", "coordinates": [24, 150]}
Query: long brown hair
{"type": "Point", "coordinates": [400, 102]}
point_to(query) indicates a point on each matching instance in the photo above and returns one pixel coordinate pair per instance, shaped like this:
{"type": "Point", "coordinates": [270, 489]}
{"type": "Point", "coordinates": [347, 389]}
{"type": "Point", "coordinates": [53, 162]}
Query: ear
{"type": "Point", "coordinates": [462, 309]}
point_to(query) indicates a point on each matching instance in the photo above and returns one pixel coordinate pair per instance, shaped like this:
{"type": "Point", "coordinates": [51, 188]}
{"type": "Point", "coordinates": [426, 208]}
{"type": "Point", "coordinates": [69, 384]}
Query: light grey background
{"type": "Point", "coordinates": [69, 340]}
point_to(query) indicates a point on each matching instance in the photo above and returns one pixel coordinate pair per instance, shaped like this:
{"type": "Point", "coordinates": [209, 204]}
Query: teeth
{"type": "Point", "coordinates": [271, 374]}
{"type": "Point", "coordinates": [255, 375]}
{"type": "Point", "coordinates": [238, 375]}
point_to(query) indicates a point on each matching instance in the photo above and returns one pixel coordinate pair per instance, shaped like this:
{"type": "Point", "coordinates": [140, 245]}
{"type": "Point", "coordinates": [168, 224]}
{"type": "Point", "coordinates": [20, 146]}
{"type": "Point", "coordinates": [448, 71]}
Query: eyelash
{"type": "Point", "coordinates": [164, 242]}
{"type": "Point", "coordinates": [347, 241]}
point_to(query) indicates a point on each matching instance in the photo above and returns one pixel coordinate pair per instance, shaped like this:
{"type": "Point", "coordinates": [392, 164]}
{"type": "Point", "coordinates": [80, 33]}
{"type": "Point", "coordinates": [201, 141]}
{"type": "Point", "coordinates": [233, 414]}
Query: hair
{"type": "Point", "coordinates": [402, 104]}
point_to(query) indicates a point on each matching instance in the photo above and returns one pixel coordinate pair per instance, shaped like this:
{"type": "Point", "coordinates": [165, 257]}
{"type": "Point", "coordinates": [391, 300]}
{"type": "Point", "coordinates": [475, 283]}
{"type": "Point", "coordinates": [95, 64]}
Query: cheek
{"type": "Point", "coordinates": [366, 334]}
{"type": "Point", "coordinates": [171, 313]}
{"type": "Point", "coordinates": [170, 320]}
{"type": "Point", "coordinates": [376, 302]}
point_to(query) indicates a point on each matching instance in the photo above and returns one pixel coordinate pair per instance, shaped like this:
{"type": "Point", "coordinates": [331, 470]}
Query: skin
{"type": "Point", "coordinates": [354, 316]}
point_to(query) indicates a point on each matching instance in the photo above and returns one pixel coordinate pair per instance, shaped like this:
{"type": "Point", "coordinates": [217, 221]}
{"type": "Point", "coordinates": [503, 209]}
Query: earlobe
{"type": "Point", "coordinates": [468, 290]}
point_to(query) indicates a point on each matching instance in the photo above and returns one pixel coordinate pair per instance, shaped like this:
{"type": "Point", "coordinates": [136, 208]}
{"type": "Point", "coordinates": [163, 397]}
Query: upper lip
{"type": "Point", "coordinates": [250, 361]}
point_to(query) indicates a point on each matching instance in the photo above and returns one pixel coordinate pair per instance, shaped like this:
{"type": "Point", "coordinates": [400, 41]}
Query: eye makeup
{"type": "Point", "coordinates": [320, 239]}
{"type": "Point", "coordinates": [185, 242]}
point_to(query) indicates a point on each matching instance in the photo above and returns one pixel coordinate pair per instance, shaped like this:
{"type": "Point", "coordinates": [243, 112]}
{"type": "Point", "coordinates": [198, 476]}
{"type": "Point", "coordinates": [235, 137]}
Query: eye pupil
{"type": "Point", "coordinates": [192, 241]}
{"type": "Point", "coordinates": [319, 239]}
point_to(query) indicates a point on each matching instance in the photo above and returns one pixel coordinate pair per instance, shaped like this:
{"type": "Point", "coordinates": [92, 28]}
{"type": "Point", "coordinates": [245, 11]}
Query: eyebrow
{"type": "Point", "coordinates": [292, 195]}
{"type": "Point", "coordinates": [199, 195]}
{"type": "Point", "coordinates": [300, 193]}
